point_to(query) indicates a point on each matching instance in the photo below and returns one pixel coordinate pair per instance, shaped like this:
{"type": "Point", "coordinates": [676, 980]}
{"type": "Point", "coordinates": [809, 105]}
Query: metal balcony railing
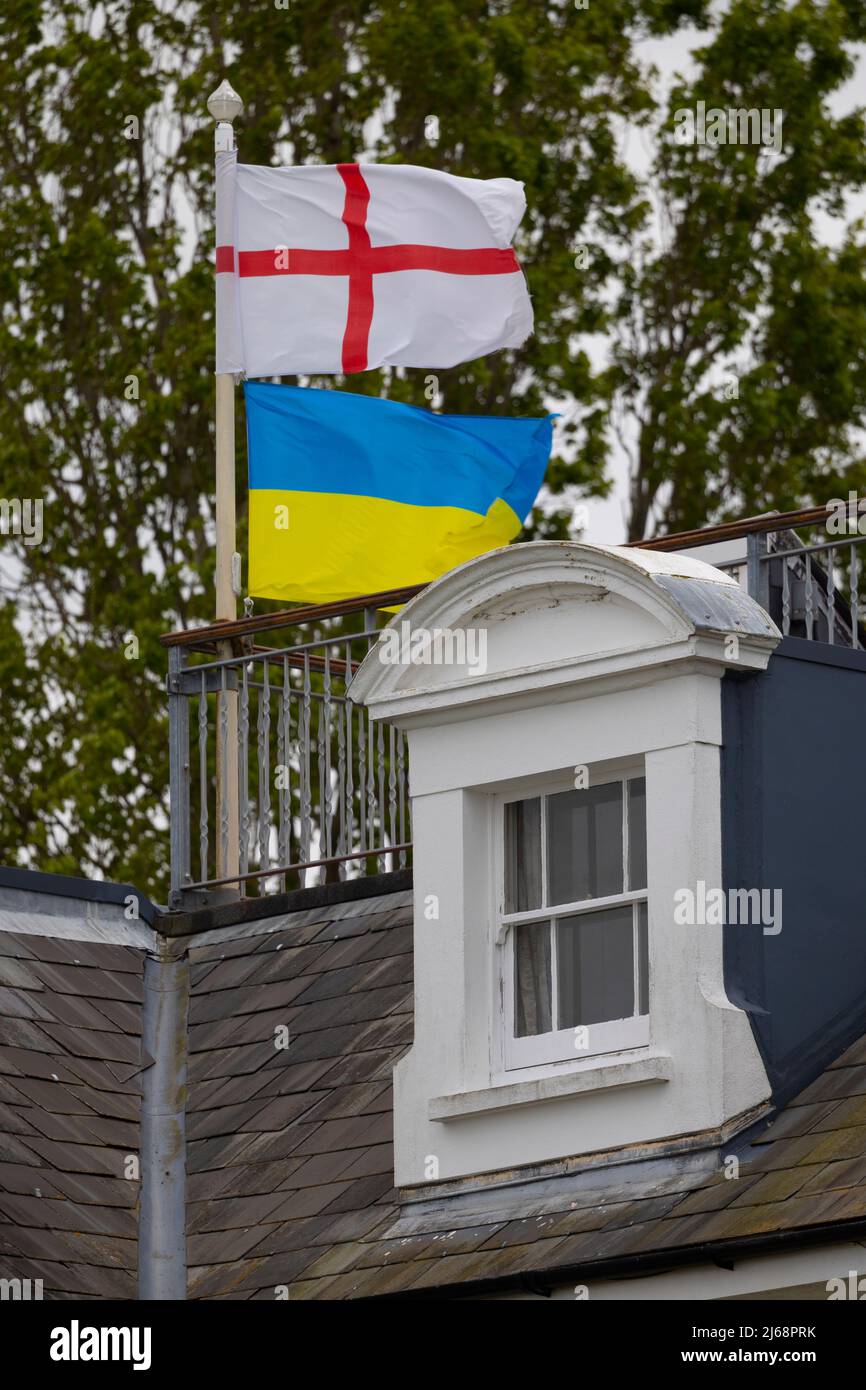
{"type": "Point", "coordinates": [276, 776]}
{"type": "Point", "coordinates": [810, 588]}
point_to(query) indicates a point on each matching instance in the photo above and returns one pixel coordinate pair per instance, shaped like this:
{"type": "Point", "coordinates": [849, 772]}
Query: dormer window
{"type": "Point", "coordinates": [575, 971]}
{"type": "Point", "coordinates": [541, 893]}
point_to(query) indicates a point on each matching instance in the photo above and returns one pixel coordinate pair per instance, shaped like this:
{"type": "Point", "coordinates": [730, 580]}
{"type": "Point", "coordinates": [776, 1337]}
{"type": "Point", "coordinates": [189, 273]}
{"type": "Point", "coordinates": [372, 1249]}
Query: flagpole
{"type": "Point", "coordinates": [224, 105]}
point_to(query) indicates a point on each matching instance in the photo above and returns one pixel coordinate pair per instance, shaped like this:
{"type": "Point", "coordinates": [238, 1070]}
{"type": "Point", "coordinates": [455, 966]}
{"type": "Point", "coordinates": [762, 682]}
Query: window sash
{"type": "Point", "coordinates": [549, 921]}
{"type": "Point", "coordinates": [544, 914]}
{"type": "Point", "coordinates": [539, 1049]}
{"type": "Point", "coordinates": [546, 907]}
{"type": "Point", "coordinates": [608, 1036]}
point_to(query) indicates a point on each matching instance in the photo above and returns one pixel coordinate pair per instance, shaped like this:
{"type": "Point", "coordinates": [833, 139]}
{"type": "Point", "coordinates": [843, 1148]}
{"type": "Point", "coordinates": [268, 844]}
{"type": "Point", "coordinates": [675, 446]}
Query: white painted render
{"type": "Point", "coordinates": [590, 661]}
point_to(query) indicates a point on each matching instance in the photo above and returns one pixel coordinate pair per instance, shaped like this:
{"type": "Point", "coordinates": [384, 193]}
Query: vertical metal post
{"type": "Point", "coordinates": [244, 771]}
{"type": "Point", "coordinates": [224, 105]}
{"type": "Point", "coordinates": [162, 1241]}
{"type": "Point", "coordinates": [758, 569]}
{"type": "Point", "coordinates": [178, 744]}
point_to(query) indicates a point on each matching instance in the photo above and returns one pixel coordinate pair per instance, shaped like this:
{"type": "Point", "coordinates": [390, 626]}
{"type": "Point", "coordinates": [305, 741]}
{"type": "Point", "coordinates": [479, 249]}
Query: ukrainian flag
{"type": "Point", "coordinates": [353, 495]}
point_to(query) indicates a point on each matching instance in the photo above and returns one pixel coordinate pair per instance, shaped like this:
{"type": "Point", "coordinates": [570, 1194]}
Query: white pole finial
{"type": "Point", "coordinates": [224, 105]}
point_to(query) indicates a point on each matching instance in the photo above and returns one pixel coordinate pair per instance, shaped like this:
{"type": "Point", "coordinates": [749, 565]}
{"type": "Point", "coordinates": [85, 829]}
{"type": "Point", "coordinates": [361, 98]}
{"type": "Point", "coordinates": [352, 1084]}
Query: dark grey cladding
{"type": "Point", "coordinates": [793, 799]}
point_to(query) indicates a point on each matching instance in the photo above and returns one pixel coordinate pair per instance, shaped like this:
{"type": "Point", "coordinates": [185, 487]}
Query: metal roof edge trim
{"type": "Point", "coordinates": [248, 910]}
{"type": "Point", "coordinates": [84, 889]}
{"type": "Point", "coordinates": [821, 653]}
{"type": "Point", "coordinates": [544, 1281]}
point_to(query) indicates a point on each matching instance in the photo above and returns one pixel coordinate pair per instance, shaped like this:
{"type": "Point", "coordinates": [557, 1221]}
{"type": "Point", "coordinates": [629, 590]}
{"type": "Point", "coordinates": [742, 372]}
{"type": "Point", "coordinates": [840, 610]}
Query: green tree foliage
{"type": "Point", "coordinates": [106, 338]}
{"type": "Point", "coordinates": [738, 381]}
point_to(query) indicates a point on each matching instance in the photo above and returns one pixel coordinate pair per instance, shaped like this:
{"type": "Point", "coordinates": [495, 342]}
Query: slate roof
{"type": "Point", "coordinates": [290, 1154]}
{"type": "Point", "coordinates": [70, 1067]}
{"type": "Point", "coordinates": [806, 1171]}
{"type": "Point", "coordinates": [291, 1159]}
{"type": "Point", "coordinates": [289, 1149]}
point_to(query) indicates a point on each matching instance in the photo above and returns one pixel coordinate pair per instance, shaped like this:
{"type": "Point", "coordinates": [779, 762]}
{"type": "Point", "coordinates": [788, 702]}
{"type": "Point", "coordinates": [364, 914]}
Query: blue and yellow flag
{"type": "Point", "coordinates": [353, 495]}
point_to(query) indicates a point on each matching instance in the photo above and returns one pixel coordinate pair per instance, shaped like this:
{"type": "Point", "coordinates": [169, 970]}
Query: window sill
{"type": "Point", "coordinates": [605, 1076]}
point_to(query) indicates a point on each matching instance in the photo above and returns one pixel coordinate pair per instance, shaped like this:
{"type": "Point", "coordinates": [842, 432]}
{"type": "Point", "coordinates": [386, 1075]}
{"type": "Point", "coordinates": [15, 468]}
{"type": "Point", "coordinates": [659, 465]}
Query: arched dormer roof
{"type": "Point", "coordinates": [552, 613]}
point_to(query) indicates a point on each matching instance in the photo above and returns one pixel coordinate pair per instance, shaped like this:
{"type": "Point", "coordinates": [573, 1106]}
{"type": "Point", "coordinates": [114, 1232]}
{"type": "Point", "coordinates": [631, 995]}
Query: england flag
{"type": "Point", "coordinates": [346, 267]}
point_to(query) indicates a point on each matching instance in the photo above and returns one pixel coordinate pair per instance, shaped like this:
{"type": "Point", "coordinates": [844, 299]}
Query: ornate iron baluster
{"type": "Point", "coordinates": [179, 774]}
{"type": "Point", "coordinates": [244, 773]}
{"type": "Point", "coordinates": [371, 783]}
{"type": "Point", "coordinates": [362, 779]}
{"type": "Point", "coordinates": [382, 792]}
{"type": "Point", "coordinates": [325, 756]}
{"type": "Point", "coordinates": [202, 776]}
{"type": "Point", "coordinates": [342, 848]}
{"type": "Point", "coordinates": [392, 790]}
{"type": "Point", "coordinates": [264, 734]}
{"type": "Point", "coordinates": [284, 727]}
{"type": "Point", "coordinates": [401, 782]}
{"type": "Point", "coordinates": [306, 792]}
{"type": "Point", "coordinates": [786, 597]}
{"type": "Point", "coordinates": [831, 595]}
{"type": "Point", "coordinates": [224, 741]}
{"type": "Point", "coordinates": [349, 812]}
{"type": "Point", "coordinates": [810, 616]}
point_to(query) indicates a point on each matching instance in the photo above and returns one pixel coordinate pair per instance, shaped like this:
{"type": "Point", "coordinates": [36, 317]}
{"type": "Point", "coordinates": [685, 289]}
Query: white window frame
{"type": "Point", "coordinates": [615, 1035]}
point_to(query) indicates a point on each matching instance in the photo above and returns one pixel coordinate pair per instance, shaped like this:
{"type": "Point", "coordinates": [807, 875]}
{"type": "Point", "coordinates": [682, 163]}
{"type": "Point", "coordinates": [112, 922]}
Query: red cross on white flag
{"type": "Point", "coordinates": [346, 267]}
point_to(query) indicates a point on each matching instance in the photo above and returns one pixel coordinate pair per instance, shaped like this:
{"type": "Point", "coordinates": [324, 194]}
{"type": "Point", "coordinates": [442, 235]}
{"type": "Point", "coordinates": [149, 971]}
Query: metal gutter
{"type": "Point", "coordinates": [162, 1212]}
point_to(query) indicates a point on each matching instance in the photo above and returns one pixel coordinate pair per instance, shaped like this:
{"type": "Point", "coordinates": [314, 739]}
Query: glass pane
{"type": "Point", "coordinates": [584, 843]}
{"type": "Point", "coordinates": [637, 832]}
{"type": "Point", "coordinates": [523, 855]}
{"type": "Point", "coordinates": [642, 959]}
{"type": "Point", "coordinates": [532, 987]}
{"type": "Point", "coordinates": [595, 964]}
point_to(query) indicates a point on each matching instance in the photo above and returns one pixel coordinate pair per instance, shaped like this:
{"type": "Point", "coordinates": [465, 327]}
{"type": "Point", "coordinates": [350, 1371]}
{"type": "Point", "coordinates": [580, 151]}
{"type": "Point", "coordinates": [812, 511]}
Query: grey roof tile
{"type": "Point", "coordinates": [13, 1120]}
{"type": "Point", "coordinates": [18, 974]}
{"type": "Point", "coordinates": [92, 1188]}
{"type": "Point", "coordinates": [23, 1061]}
{"type": "Point", "coordinates": [249, 999]}
{"type": "Point", "coordinates": [28, 1180]}
{"type": "Point", "coordinates": [25, 1036]}
{"type": "Point", "coordinates": [69, 1247]}
{"type": "Point", "coordinates": [232, 1213]}
{"type": "Point", "coordinates": [81, 980]}
{"type": "Point", "coordinates": [312, 1200]}
{"type": "Point", "coordinates": [109, 1046]}
{"type": "Point", "coordinates": [22, 1003]}
{"type": "Point", "coordinates": [14, 1150]}
{"type": "Point", "coordinates": [59, 1214]}
{"type": "Point", "coordinates": [52, 1096]}
{"type": "Point", "coordinates": [98, 955]}
{"type": "Point", "coordinates": [223, 1246]}
{"type": "Point", "coordinates": [100, 1077]}
{"type": "Point", "coordinates": [78, 1158]}
{"type": "Point", "coordinates": [13, 945]}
